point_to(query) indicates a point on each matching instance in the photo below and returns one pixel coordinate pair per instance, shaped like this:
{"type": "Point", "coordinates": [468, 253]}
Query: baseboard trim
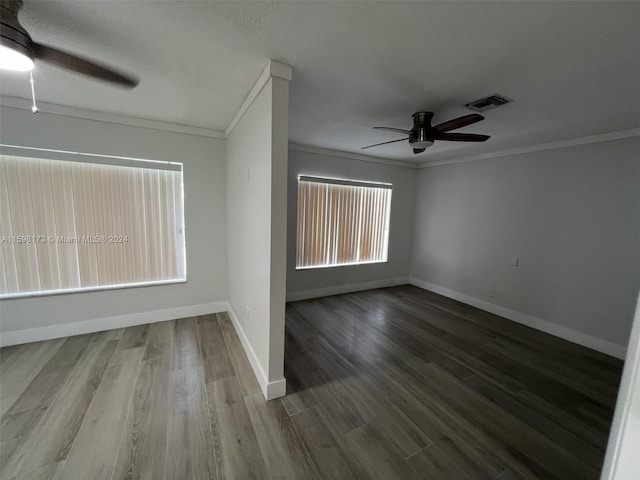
{"type": "Point", "coordinates": [573, 336]}
{"type": "Point", "coordinates": [276, 389]}
{"type": "Point", "coordinates": [270, 390]}
{"type": "Point", "coordinates": [350, 288]}
{"type": "Point", "coordinates": [37, 334]}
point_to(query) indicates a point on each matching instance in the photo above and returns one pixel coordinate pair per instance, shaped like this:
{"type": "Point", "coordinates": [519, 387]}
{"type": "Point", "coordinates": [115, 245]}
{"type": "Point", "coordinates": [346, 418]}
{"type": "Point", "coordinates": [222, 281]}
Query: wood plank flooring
{"type": "Point", "coordinates": [394, 383]}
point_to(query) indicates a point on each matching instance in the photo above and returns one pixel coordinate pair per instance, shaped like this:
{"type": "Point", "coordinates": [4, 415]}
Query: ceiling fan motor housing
{"type": "Point", "coordinates": [12, 34]}
{"type": "Point", "coordinates": [422, 134]}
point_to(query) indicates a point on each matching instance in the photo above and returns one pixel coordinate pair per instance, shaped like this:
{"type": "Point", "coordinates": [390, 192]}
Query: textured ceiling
{"type": "Point", "coordinates": [573, 69]}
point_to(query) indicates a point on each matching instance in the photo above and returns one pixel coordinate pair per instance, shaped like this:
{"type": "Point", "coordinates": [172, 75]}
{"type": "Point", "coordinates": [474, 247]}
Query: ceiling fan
{"type": "Point", "coordinates": [422, 135]}
{"type": "Point", "coordinates": [18, 51]}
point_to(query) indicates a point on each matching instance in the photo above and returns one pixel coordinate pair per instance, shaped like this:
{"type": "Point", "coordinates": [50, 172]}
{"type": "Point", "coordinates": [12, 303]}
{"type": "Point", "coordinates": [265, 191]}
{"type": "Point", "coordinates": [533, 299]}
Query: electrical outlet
{"type": "Point", "coordinates": [495, 293]}
{"type": "Point", "coordinates": [248, 175]}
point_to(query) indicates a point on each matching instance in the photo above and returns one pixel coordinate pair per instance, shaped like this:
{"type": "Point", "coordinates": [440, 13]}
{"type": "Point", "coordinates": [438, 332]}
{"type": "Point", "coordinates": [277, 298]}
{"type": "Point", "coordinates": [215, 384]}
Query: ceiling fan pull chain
{"type": "Point", "coordinates": [34, 108]}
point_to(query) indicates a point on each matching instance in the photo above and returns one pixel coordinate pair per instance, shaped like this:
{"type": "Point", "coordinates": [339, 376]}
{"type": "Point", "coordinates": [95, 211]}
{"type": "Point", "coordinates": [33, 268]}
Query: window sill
{"type": "Point", "coordinates": [50, 293]}
{"type": "Point", "coordinates": [352, 264]}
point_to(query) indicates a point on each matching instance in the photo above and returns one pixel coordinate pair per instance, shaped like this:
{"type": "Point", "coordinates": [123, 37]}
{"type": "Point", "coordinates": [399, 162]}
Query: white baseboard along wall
{"type": "Point", "coordinates": [270, 390]}
{"type": "Point", "coordinates": [340, 289]}
{"type": "Point", "coordinates": [38, 334]}
{"type": "Point", "coordinates": [574, 336]}
{"type": "Point", "coordinates": [277, 388]}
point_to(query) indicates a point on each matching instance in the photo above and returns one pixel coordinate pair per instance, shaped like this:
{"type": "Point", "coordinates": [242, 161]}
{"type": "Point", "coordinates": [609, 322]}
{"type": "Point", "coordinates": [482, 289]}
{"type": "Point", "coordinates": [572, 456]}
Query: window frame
{"type": "Point", "coordinates": [109, 160]}
{"type": "Point", "coordinates": [346, 182]}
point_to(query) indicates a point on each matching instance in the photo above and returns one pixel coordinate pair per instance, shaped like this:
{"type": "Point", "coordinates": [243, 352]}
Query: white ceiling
{"type": "Point", "coordinates": [573, 69]}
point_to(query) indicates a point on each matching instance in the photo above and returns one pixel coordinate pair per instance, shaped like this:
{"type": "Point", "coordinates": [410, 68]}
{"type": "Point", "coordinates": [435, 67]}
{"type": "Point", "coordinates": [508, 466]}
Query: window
{"type": "Point", "coordinates": [342, 222]}
{"type": "Point", "coordinates": [75, 225]}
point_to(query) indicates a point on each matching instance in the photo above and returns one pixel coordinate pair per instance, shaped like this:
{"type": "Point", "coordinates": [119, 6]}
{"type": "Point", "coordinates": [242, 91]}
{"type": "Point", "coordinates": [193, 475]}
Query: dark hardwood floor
{"type": "Point", "coordinates": [408, 377]}
{"type": "Point", "coordinates": [394, 383]}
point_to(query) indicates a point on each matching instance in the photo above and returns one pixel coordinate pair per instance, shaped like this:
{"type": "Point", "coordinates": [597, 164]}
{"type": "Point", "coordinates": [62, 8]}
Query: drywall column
{"type": "Point", "coordinates": [622, 460]}
{"type": "Point", "coordinates": [256, 159]}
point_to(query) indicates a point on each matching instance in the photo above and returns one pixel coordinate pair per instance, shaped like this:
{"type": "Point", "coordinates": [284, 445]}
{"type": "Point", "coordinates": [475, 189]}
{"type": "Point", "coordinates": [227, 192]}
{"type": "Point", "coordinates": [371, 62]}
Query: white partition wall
{"type": "Point", "coordinates": [256, 155]}
{"type": "Point", "coordinates": [622, 461]}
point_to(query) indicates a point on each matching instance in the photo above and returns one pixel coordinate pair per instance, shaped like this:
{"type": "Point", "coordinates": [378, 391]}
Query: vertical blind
{"type": "Point", "coordinates": [341, 222]}
{"type": "Point", "coordinates": [68, 225]}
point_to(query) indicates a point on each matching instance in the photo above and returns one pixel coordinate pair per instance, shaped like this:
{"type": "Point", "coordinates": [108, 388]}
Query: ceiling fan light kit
{"type": "Point", "coordinates": [423, 135]}
{"type": "Point", "coordinates": [15, 42]}
{"type": "Point", "coordinates": [18, 51]}
{"type": "Point", "coordinates": [12, 58]}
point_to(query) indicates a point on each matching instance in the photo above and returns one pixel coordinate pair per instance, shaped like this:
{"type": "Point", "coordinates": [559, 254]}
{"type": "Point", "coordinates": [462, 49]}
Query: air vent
{"type": "Point", "coordinates": [494, 101]}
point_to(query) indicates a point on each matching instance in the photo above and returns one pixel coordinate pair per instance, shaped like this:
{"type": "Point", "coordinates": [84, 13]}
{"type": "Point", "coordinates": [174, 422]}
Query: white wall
{"type": "Point", "coordinates": [205, 220]}
{"type": "Point", "coordinates": [310, 283]}
{"type": "Point", "coordinates": [622, 461]}
{"type": "Point", "coordinates": [256, 153]}
{"type": "Point", "coordinates": [570, 215]}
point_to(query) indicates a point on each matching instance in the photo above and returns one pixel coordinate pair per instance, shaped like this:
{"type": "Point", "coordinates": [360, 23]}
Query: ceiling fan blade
{"type": "Point", "coordinates": [418, 150]}
{"type": "Point", "coordinates": [462, 137]}
{"type": "Point", "coordinates": [458, 122]}
{"type": "Point", "coordinates": [83, 66]}
{"type": "Point", "coordinates": [384, 143]}
{"type": "Point", "coordinates": [391, 129]}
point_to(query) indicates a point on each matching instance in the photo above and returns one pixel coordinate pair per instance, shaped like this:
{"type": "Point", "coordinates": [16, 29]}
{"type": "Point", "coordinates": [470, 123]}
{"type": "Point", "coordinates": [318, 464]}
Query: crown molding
{"type": "Point", "coordinates": [280, 70]}
{"type": "Point", "coordinates": [273, 69]}
{"type": "Point", "coordinates": [352, 156]}
{"type": "Point", "coordinates": [572, 142]}
{"type": "Point", "coordinates": [55, 109]}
